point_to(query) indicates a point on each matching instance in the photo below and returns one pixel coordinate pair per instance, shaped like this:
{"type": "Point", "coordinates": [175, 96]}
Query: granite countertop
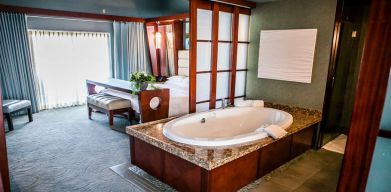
{"type": "Point", "coordinates": [211, 158]}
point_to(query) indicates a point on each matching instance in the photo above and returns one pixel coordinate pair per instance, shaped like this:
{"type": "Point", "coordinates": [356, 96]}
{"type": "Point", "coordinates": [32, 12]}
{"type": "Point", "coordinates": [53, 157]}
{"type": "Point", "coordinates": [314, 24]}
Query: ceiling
{"type": "Point", "coordinates": [130, 8]}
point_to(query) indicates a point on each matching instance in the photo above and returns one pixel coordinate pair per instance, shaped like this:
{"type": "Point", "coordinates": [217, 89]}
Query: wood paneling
{"type": "Point", "coordinates": [181, 174]}
{"type": "Point", "coordinates": [148, 157]}
{"type": "Point", "coordinates": [274, 155]}
{"type": "Point", "coordinates": [215, 46]}
{"type": "Point", "coordinates": [147, 114]}
{"type": "Point", "coordinates": [235, 174]}
{"type": "Point", "coordinates": [48, 12]}
{"type": "Point", "coordinates": [302, 141]}
{"type": "Point", "coordinates": [182, 16]}
{"type": "Point", "coordinates": [234, 54]}
{"type": "Point", "coordinates": [4, 172]}
{"type": "Point", "coordinates": [193, 55]}
{"type": "Point", "coordinates": [178, 41]}
{"type": "Point", "coordinates": [243, 3]}
{"type": "Point", "coordinates": [186, 176]}
{"type": "Point", "coordinates": [369, 100]}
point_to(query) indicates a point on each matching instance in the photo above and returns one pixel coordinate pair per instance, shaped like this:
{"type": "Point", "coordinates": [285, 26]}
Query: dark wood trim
{"type": "Point", "coordinates": [205, 101]}
{"type": "Point", "coordinates": [241, 3]}
{"type": "Point", "coordinates": [221, 41]}
{"type": "Point", "coordinates": [234, 54]}
{"type": "Point", "coordinates": [215, 46]}
{"type": "Point", "coordinates": [56, 13]}
{"type": "Point", "coordinates": [221, 71]}
{"type": "Point", "coordinates": [331, 69]}
{"type": "Point", "coordinates": [177, 27]}
{"type": "Point", "coordinates": [385, 134]}
{"type": "Point", "coordinates": [181, 16]}
{"type": "Point", "coordinates": [369, 101]}
{"type": "Point", "coordinates": [4, 171]}
{"type": "Point", "coordinates": [193, 56]}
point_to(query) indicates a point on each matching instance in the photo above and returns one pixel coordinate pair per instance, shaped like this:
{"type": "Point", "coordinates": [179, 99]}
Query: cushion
{"type": "Point", "coordinates": [108, 102]}
{"type": "Point", "coordinates": [10, 106]}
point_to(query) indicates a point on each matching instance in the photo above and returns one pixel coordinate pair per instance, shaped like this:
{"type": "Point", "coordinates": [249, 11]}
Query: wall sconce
{"type": "Point", "coordinates": [158, 40]}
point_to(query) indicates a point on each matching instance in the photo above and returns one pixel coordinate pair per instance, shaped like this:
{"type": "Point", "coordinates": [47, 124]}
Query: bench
{"type": "Point", "coordinates": [110, 105]}
{"type": "Point", "coordinates": [13, 106]}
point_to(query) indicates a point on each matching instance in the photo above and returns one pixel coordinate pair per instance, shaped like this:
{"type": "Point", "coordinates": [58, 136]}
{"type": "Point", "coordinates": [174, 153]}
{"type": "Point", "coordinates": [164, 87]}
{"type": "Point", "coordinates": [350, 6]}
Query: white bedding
{"type": "Point", "coordinates": [179, 97]}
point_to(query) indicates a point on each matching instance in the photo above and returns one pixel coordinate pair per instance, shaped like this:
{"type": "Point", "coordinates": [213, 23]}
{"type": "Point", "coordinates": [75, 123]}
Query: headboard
{"type": "Point", "coordinates": [183, 63]}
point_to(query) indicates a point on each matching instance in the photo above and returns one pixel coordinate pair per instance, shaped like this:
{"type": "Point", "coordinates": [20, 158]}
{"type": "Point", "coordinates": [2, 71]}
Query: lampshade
{"type": "Point", "coordinates": [158, 39]}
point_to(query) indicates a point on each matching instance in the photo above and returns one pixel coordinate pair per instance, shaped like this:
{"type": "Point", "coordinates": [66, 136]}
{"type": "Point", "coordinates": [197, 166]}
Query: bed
{"type": "Point", "coordinates": [178, 88]}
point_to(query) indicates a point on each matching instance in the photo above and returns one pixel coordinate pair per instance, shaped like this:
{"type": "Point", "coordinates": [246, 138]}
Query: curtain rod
{"type": "Point", "coordinates": [69, 18]}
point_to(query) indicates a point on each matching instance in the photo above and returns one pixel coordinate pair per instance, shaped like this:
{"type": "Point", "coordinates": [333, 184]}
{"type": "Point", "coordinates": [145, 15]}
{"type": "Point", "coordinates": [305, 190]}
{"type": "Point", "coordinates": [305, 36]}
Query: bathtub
{"type": "Point", "coordinates": [225, 127]}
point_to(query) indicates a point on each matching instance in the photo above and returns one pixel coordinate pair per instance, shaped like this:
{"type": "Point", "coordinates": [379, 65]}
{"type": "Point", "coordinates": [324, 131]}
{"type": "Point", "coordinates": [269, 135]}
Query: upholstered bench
{"type": "Point", "coordinates": [13, 106]}
{"type": "Point", "coordinates": [110, 105]}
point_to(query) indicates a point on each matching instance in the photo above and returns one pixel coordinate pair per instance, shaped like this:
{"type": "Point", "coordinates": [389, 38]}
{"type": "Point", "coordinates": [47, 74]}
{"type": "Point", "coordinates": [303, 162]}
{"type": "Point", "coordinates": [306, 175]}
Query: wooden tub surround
{"type": "Point", "coordinates": [191, 168]}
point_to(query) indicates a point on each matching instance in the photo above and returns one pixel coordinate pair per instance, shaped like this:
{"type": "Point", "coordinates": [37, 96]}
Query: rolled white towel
{"type": "Point", "coordinates": [275, 131]}
{"type": "Point", "coordinates": [244, 103]}
{"type": "Point", "coordinates": [249, 103]}
{"type": "Point", "coordinates": [258, 103]}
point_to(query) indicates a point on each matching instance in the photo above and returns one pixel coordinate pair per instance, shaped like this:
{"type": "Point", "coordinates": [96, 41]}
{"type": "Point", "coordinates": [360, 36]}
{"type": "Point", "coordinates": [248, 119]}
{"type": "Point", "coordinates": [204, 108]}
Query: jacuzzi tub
{"type": "Point", "coordinates": [225, 127]}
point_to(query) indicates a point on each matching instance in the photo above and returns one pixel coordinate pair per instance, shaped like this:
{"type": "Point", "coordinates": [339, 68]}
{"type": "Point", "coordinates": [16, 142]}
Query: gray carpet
{"type": "Point", "coordinates": [61, 150]}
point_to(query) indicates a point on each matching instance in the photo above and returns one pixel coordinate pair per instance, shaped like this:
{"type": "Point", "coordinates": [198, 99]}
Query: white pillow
{"type": "Point", "coordinates": [176, 78]}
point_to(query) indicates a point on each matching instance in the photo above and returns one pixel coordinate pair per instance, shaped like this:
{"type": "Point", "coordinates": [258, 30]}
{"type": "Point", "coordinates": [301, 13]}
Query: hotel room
{"type": "Point", "coordinates": [195, 95]}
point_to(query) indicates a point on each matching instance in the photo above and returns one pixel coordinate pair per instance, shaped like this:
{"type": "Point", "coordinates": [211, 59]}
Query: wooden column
{"type": "Point", "coordinates": [369, 101]}
{"type": "Point", "coordinates": [3, 153]}
{"type": "Point", "coordinates": [234, 54]}
{"type": "Point", "coordinates": [177, 27]}
{"type": "Point", "coordinates": [215, 46]}
{"type": "Point", "coordinates": [193, 56]}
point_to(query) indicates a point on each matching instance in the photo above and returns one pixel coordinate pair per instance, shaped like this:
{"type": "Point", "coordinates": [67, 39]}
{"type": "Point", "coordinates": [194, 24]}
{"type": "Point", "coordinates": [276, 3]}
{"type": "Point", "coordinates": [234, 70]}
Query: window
{"type": "Point", "coordinates": [63, 61]}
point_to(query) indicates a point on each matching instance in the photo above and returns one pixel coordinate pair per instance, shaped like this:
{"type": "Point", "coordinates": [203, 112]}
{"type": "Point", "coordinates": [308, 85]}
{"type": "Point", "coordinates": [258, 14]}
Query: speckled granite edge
{"type": "Point", "coordinates": [192, 153]}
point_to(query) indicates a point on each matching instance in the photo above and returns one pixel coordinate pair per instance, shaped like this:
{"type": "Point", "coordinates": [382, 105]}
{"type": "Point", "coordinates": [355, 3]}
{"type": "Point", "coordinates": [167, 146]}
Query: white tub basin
{"type": "Point", "coordinates": [225, 127]}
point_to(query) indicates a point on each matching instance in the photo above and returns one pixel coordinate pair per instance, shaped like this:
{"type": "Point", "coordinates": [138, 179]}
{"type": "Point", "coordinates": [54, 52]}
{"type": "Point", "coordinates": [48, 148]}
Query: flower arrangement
{"type": "Point", "coordinates": [141, 80]}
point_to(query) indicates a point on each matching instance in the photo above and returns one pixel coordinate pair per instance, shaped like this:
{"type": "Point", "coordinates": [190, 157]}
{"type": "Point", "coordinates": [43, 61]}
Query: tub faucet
{"type": "Point", "coordinates": [223, 103]}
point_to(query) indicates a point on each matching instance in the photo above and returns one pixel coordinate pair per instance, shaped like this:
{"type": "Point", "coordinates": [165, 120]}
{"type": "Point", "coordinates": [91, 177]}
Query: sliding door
{"type": "Point", "coordinates": [220, 38]}
{"type": "Point", "coordinates": [64, 60]}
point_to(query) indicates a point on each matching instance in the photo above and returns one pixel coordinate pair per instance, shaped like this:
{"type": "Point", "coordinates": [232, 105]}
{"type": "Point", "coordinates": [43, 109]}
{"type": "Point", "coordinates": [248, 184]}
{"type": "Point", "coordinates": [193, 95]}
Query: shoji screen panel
{"type": "Point", "coordinates": [218, 52]}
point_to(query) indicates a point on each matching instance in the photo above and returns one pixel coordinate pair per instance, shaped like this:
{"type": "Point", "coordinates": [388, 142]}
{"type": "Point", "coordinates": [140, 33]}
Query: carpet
{"type": "Point", "coordinates": [62, 150]}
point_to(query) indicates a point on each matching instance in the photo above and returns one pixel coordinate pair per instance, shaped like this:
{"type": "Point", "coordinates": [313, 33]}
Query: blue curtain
{"type": "Point", "coordinates": [17, 74]}
{"type": "Point", "coordinates": [130, 50]}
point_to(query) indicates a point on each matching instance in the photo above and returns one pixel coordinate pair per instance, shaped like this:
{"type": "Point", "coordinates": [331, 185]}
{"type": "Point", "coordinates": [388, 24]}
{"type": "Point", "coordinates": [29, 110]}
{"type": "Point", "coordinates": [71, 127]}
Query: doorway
{"type": "Point", "coordinates": [338, 109]}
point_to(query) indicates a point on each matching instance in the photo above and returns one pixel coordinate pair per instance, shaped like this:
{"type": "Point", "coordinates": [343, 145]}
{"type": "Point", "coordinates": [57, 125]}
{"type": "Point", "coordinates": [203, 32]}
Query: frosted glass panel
{"type": "Point", "coordinates": [287, 54]}
{"type": "Point", "coordinates": [240, 83]}
{"type": "Point", "coordinates": [225, 20]}
{"type": "Point", "coordinates": [222, 85]}
{"type": "Point", "coordinates": [203, 87]}
{"type": "Point", "coordinates": [242, 56]}
{"type": "Point", "coordinates": [204, 56]}
{"type": "Point", "coordinates": [224, 56]}
{"type": "Point", "coordinates": [202, 107]}
{"type": "Point", "coordinates": [204, 24]}
{"type": "Point", "coordinates": [244, 21]}
{"type": "Point", "coordinates": [380, 172]}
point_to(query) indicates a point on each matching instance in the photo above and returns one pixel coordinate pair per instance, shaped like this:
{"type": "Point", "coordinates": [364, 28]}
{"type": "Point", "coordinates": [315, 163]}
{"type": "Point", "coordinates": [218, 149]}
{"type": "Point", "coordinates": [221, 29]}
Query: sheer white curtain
{"type": "Point", "coordinates": [63, 61]}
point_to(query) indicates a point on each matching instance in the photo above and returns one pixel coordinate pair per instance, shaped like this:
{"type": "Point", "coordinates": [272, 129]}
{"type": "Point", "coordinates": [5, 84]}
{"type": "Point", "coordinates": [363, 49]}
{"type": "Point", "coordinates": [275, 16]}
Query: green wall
{"type": "Point", "coordinates": [292, 14]}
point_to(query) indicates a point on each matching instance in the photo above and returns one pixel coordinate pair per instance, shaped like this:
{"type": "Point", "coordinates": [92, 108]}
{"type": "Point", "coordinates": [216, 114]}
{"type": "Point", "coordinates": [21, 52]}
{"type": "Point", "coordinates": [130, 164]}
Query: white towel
{"type": "Point", "coordinates": [249, 103]}
{"type": "Point", "coordinates": [275, 131]}
{"type": "Point", "coordinates": [258, 103]}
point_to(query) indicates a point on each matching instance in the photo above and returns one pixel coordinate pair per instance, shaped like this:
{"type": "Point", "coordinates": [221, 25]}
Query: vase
{"type": "Point", "coordinates": [143, 86]}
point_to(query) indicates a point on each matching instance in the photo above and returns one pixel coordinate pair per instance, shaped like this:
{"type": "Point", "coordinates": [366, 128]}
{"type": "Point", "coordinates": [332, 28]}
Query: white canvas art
{"type": "Point", "coordinates": [287, 54]}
